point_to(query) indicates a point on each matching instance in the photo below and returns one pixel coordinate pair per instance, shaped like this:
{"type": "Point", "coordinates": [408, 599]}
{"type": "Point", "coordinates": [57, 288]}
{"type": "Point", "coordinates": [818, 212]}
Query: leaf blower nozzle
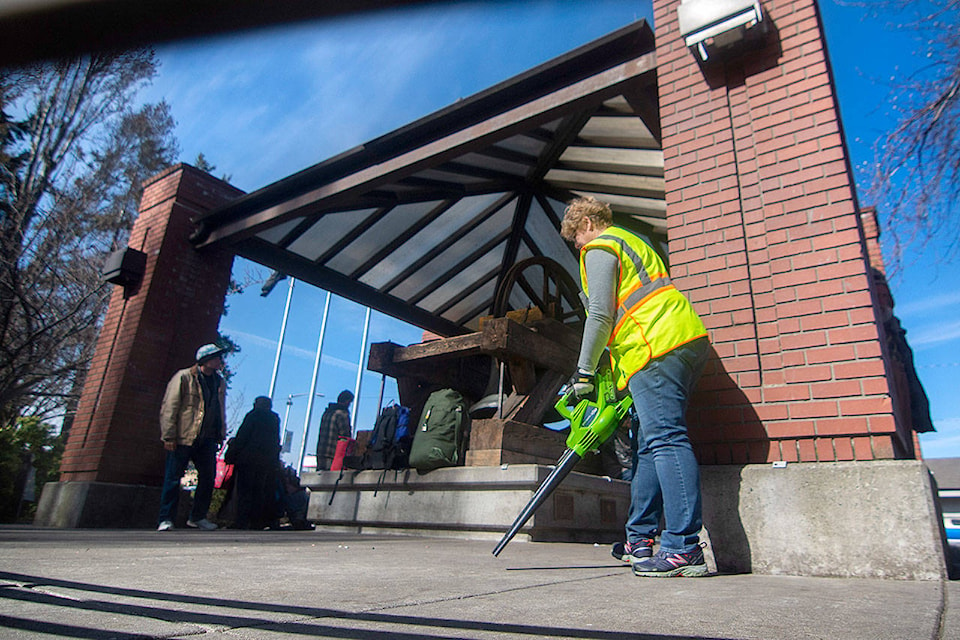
{"type": "Point", "coordinates": [592, 422]}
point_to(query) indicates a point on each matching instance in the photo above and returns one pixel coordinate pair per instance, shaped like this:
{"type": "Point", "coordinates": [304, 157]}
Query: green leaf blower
{"type": "Point", "coordinates": [592, 422]}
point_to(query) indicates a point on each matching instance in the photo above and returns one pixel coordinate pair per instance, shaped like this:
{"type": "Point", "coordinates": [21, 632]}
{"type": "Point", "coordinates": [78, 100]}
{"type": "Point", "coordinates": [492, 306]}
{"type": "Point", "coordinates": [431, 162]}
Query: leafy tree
{"type": "Point", "coordinates": [25, 443]}
{"type": "Point", "coordinates": [916, 175]}
{"type": "Point", "coordinates": [74, 152]}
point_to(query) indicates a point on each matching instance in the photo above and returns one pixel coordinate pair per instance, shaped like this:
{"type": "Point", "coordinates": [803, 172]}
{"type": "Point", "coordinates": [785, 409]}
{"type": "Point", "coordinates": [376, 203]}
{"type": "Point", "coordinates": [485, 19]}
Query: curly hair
{"type": "Point", "coordinates": [578, 210]}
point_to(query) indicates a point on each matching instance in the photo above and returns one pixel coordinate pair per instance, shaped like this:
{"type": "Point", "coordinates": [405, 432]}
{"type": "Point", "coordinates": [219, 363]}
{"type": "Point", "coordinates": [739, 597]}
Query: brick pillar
{"type": "Point", "coordinates": [147, 335]}
{"type": "Point", "coordinates": [765, 238]}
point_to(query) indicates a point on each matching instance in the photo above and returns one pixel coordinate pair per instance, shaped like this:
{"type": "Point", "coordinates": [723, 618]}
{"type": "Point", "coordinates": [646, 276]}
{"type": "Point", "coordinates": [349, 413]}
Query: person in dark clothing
{"type": "Point", "coordinates": [256, 449]}
{"type": "Point", "coordinates": [334, 424]}
{"type": "Point", "coordinates": [294, 500]}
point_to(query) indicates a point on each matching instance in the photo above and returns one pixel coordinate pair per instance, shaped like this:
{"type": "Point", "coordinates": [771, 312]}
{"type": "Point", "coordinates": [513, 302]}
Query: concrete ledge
{"type": "Point", "coordinates": [875, 519]}
{"type": "Point", "coordinates": [871, 519]}
{"type": "Point", "coordinates": [97, 504]}
{"type": "Point", "coordinates": [473, 502]}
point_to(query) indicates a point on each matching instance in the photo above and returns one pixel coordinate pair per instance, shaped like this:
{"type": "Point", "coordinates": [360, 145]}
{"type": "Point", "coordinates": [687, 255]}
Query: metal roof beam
{"type": "Point", "coordinates": [581, 94]}
{"type": "Point", "coordinates": [329, 280]}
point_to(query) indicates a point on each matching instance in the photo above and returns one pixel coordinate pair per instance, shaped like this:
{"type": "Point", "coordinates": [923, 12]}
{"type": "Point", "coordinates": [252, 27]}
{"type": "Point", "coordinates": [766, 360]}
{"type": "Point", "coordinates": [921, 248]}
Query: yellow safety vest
{"type": "Point", "coordinates": [652, 316]}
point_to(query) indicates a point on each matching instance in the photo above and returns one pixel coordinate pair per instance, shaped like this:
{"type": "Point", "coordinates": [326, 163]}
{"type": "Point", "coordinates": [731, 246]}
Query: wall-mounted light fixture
{"type": "Point", "coordinates": [124, 267]}
{"type": "Point", "coordinates": [716, 29]}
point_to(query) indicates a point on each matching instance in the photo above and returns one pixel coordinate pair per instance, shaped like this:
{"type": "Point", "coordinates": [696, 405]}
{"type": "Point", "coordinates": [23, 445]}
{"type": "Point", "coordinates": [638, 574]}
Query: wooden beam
{"type": "Point", "coordinates": [500, 337]}
{"type": "Point", "coordinates": [581, 94]}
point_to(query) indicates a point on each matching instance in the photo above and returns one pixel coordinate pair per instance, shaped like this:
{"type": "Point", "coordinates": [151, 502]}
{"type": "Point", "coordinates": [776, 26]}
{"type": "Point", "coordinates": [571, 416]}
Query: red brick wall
{"type": "Point", "coordinates": [150, 333]}
{"type": "Point", "coordinates": [765, 238]}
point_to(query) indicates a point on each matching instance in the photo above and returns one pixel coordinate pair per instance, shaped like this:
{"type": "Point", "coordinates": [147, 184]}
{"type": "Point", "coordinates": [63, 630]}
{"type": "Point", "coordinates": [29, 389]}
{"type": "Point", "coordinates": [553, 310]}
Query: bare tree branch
{"type": "Point", "coordinates": [73, 156]}
{"type": "Point", "coordinates": [915, 178]}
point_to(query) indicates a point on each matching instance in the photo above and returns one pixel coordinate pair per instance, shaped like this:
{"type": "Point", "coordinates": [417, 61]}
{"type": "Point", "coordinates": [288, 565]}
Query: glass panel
{"type": "Point", "coordinates": [483, 294]}
{"type": "Point", "coordinates": [449, 223]}
{"type": "Point", "coordinates": [519, 299]}
{"type": "Point", "coordinates": [524, 144]}
{"type": "Point", "coordinates": [425, 276]}
{"type": "Point", "coordinates": [327, 231]}
{"type": "Point", "coordinates": [552, 126]}
{"type": "Point", "coordinates": [451, 177]}
{"type": "Point", "coordinates": [546, 236]}
{"type": "Point", "coordinates": [524, 252]}
{"type": "Point", "coordinates": [381, 234]}
{"type": "Point", "coordinates": [619, 104]}
{"type": "Point", "coordinates": [464, 280]}
{"type": "Point", "coordinates": [496, 164]}
{"type": "Point", "coordinates": [273, 235]}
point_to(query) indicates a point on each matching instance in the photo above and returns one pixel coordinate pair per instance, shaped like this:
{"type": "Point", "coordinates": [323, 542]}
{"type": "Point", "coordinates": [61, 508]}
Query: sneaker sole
{"type": "Point", "coordinates": [686, 571]}
{"type": "Point", "coordinates": [628, 559]}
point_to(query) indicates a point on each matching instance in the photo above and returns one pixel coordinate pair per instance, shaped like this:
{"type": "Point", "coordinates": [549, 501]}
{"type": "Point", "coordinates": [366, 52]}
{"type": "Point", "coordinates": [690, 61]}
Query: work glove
{"type": "Point", "coordinates": [581, 384]}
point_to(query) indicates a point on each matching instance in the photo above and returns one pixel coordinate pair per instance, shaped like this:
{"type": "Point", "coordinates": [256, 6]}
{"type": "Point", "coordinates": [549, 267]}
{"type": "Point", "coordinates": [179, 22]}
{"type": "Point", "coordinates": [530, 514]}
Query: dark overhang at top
{"type": "Point", "coordinates": [423, 223]}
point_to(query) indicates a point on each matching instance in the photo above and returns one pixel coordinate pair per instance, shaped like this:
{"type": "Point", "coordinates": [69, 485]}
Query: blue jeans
{"type": "Point", "coordinates": [666, 477]}
{"type": "Point", "coordinates": [204, 456]}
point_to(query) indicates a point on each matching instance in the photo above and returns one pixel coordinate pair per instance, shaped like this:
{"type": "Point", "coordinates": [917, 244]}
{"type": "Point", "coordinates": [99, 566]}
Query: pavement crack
{"type": "Point", "coordinates": [483, 594]}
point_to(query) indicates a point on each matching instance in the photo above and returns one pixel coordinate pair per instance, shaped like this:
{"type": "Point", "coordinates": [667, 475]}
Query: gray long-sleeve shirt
{"type": "Point", "coordinates": [602, 270]}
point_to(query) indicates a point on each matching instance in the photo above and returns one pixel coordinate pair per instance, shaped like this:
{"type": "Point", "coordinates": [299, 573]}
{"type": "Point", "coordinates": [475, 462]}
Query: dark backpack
{"type": "Point", "coordinates": [441, 435]}
{"type": "Point", "coordinates": [389, 445]}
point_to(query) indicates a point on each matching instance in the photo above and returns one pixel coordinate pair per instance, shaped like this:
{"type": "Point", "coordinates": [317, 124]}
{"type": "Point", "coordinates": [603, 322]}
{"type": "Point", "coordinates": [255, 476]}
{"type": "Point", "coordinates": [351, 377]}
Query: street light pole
{"type": "Point", "coordinates": [286, 412]}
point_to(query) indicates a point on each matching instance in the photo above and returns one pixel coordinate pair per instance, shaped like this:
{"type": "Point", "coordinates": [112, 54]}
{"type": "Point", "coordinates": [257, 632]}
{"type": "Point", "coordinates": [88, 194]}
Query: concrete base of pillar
{"type": "Point", "coordinates": [98, 505]}
{"type": "Point", "coordinates": [876, 519]}
{"type": "Point", "coordinates": [472, 502]}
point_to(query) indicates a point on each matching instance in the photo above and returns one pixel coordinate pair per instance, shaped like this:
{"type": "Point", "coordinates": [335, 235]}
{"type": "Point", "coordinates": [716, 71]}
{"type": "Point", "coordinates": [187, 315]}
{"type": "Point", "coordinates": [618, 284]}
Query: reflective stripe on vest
{"type": "Point", "coordinates": [652, 316]}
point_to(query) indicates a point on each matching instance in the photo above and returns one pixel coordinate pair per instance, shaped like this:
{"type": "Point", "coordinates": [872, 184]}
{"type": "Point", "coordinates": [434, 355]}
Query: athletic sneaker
{"type": "Point", "coordinates": [630, 552]}
{"type": "Point", "coordinates": [166, 525]}
{"type": "Point", "coordinates": [203, 525]}
{"type": "Point", "coordinates": [672, 565]}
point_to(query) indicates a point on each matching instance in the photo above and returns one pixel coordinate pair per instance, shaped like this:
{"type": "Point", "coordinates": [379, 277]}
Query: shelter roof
{"type": "Point", "coordinates": [425, 222]}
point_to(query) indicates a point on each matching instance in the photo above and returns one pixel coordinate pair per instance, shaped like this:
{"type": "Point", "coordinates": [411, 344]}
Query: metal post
{"type": "Point", "coordinates": [286, 413]}
{"type": "Point", "coordinates": [313, 385]}
{"type": "Point", "coordinates": [360, 368]}
{"type": "Point", "coordinates": [283, 331]}
{"type": "Point", "coordinates": [383, 383]}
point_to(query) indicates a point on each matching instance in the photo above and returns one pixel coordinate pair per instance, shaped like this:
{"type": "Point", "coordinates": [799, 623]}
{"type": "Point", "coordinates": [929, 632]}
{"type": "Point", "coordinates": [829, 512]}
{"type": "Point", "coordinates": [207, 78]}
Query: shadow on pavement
{"type": "Point", "coordinates": [28, 588]}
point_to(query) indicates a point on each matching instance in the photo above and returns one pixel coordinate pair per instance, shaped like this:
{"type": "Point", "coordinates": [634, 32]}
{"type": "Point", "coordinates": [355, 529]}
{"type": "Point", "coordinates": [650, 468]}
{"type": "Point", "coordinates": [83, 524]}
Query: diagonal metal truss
{"type": "Point", "coordinates": [423, 223]}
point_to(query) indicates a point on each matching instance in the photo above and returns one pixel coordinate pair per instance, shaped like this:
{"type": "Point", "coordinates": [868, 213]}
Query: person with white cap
{"type": "Point", "coordinates": [192, 427]}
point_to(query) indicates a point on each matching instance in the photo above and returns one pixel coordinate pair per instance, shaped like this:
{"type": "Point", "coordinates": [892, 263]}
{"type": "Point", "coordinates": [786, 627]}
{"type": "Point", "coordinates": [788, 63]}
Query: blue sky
{"type": "Point", "coordinates": [268, 103]}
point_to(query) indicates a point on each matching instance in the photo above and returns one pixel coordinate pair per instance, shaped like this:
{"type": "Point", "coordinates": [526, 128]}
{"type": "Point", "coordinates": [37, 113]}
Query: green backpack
{"type": "Point", "coordinates": [441, 433]}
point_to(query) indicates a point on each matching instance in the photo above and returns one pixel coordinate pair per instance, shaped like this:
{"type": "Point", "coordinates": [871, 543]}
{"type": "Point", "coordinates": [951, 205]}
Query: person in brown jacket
{"type": "Point", "coordinates": [192, 427]}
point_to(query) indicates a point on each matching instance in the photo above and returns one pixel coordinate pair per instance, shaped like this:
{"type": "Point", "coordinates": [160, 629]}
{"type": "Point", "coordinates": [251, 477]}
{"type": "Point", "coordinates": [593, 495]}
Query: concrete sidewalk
{"type": "Point", "coordinates": [59, 583]}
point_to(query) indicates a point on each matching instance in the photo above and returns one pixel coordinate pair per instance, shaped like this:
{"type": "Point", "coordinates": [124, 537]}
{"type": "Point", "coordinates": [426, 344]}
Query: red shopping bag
{"type": "Point", "coordinates": [224, 474]}
{"type": "Point", "coordinates": [345, 447]}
